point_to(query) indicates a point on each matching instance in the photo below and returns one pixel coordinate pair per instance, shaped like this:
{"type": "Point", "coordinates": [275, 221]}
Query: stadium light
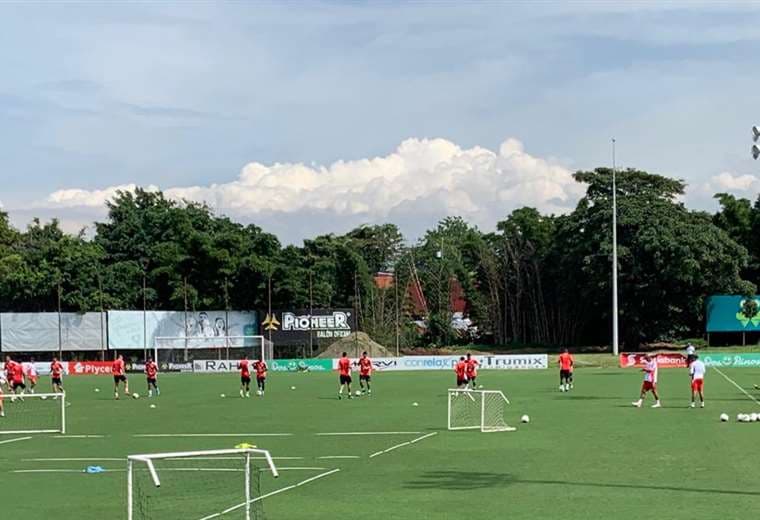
{"type": "Point", "coordinates": [755, 151]}
{"type": "Point", "coordinates": [755, 133]}
{"type": "Point", "coordinates": [615, 349]}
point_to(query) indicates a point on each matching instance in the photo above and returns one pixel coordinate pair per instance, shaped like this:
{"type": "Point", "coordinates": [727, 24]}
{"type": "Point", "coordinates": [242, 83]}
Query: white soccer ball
{"type": "Point", "coordinates": [222, 396]}
{"type": "Point", "coordinates": [153, 406]}
{"type": "Point", "coordinates": [292, 387]}
{"type": "Point", "coordinates": [97, 390]}
{"type": "Point", "coordinates": [525, 419]}
{"type": "Point", "coordinates": [744, 417]}
{"type": "Point", "coordinates": [135, 396]}
{"type": "Point", "coordinates": [480, 387]}
{"type": "Point", "coordinates": [724, 417]}
{"type": "Point", "coordinates": [753, 417]}
{"type": "Point", "coordinates": [43, 397]}
{"type": "Point", "coordinates": [258, 392]}
{"type": "Point", "coordinates": [415, 404]}
{"type": "Point", "coordinates": [357, 393]}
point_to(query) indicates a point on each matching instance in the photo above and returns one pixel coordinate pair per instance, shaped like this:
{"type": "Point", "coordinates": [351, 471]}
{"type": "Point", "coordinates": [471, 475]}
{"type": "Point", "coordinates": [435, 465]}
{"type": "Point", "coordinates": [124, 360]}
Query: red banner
{"type": "Point", "coordinates": [89, 368]}
{"type": "Point", "coordinates": [664, 360]}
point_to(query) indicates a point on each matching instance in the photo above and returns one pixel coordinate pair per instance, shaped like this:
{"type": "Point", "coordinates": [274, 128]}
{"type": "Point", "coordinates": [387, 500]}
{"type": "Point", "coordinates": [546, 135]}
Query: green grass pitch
{"type": "Point", "coordinates": [585, 454]}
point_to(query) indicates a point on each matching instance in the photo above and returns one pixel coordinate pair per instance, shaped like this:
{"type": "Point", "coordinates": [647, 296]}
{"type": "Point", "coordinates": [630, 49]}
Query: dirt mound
{"type": "Point", "coordinates": [355, 344]}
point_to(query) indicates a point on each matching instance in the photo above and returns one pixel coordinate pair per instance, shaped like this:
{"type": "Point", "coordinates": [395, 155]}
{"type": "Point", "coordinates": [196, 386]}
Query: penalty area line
{"type": "Point", "coordinates": [244, 434]}
{"type": "Point", "coordinates": [331, 434]}
{"type": "Point", "coordinates": [401, 445]}
{"type": "Point", "coordinates": [742, 390]}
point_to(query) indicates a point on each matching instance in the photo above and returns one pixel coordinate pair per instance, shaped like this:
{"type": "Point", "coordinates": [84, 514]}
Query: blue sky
{"type": "Point", "coordinates": [314, 117]}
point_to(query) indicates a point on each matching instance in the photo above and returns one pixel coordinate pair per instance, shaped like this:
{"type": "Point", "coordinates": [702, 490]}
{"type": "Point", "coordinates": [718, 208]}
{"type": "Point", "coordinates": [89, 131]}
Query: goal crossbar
{"type": "Point", "coordinates": [28, 399]}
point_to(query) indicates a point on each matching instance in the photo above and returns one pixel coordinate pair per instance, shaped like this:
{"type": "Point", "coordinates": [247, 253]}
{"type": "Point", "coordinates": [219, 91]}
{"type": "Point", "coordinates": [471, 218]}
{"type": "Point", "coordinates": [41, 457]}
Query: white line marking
{"type": "Point", "coordinates": [293, 468]}
{"type": "Point", "coordinates": [736, 385]}
{"type": "Point", "coordinates": [234, 458]}
{"type": "Point", "coordinates": [77, 436]}
{"type": "Point", "coordinates": [340, 457]}
{"type": "Point", "coordinates": [95, 459]}
{"type": "Point", "coordinates": [366, 433]}
{"type": "Point", "coordinates": [401, 445]}
{"type": "Point", "coordinates": [213, 435]}
{"type": "Point", "coordinates": [15, 440]}
{"type": "Point", "coordinates": [276, 492]}
{"type": "Point", "coordinates": [63, 471]}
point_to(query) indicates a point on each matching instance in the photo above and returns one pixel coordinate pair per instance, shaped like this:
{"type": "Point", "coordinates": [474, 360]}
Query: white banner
{"type": "Point", "coordinates": [209, 365]}
{"type": "Point", "coordinates": [39, 331]}
{"type": "Point", "coordinates": [495, 362]}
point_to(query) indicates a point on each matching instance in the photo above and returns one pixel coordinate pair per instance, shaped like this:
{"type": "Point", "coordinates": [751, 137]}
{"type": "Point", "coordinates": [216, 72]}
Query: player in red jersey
{"type": "Point", "coordinates": [118, 370]}
{"type": "Point", "coordinates": [8, 372]}
{"type": "Point", "coordinates": [260, 367]}
{"type": "Point", "coordinates": [56, 376]}
{"type": "Point", "coordinates": [151, 374]}
{"type": "Point", "coordinates": [16, 376]}
{"type": "Point", "coordinates": [460, 369]}
{"type": "Point", "coordinates": [566, 363]}
{"type": "Point", "coordinates": [471, 370]}
{"type": "Point", "coordinates": [2, 394]}
{"type": "Point", "coordinates": [344, 371]}
{"type": "Point", "coordinates": [245, 376]}
{"type": "Point", "coordinates": [365, 373]}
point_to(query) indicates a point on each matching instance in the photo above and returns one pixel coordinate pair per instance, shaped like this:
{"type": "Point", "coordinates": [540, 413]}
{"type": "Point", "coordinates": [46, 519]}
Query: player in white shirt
{"type": "Point", "coordinates": [30, 370]}
{"type": "Point", "coordinates": [697, 371]}
{"type": "Point", "coordinates": [650, 382]}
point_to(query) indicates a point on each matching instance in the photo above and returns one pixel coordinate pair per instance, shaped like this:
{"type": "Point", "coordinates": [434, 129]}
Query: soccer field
{"type": "Point", "coordinates": [585, 454]}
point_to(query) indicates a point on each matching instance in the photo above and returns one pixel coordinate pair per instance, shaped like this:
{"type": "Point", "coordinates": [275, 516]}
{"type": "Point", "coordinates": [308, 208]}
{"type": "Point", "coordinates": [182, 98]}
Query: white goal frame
{"type": "Point", "coordinates": [148, 459]}
{"type": "Point", "coordinates": [478, 398]}
{"type": "Point", "coordinates": [10, 397]}
{"type": "Point", "coordinates": [191, 343]}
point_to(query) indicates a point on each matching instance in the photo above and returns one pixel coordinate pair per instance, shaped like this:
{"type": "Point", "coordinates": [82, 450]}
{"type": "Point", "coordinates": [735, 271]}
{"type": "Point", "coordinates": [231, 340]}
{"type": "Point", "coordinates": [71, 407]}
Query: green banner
{"type": "Point", "coordinates": [301, 365]}
{"type": "Point", "coordinates": [733, 314]}
{"type": "Point", "coordinates": [731, 360]}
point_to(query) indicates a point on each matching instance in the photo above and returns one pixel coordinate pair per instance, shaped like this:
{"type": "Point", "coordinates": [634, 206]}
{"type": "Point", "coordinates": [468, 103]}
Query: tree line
{"type": "Point", "coordinates": [536, 279]}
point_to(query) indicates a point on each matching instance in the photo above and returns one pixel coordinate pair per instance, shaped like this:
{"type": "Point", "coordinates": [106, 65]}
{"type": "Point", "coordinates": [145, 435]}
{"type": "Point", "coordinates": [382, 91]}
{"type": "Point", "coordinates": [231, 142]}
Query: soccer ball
{"type": "Point", "coordinates": [415, 404]}
{"type": "Point", "coordinates": [357, 393]}
{"type": "Point", "coordinates": [525, 419]}
{"type": "Point", "coordinates": [43, 397]}
{"type": "Point", "coordinates": [753, 417]}
{"type": "Point", "coordinates": [153, 406]}
{"type": "Point", "coordinates": [258, 392]}
{"type": "Point", "coordinates": [292, 387]}
{"type": "Point", "coordinates": [744, 417]}
{"type": "Point", "coordinates": [724, 417]}
{"type": "Point", "coordinates": [222, 396]}
{"type": "Point", "coordinates": [135, 396]}
{"type": "Point", "coordinates": [97, 390]}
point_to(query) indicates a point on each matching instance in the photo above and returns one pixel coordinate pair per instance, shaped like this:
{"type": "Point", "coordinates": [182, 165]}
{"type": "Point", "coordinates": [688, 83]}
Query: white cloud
{"type": "Point", "coordinates": [434, 175]}
{"type": "Point", "coordinates": [732, 183]}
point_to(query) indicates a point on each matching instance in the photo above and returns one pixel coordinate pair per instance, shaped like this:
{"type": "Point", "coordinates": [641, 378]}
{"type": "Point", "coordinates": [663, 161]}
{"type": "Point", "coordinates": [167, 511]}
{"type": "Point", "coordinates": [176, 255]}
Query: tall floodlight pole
{"type": "Point", "coordinates": [755, 137]}
{"type": "Point", "coordinates": [614, 256]}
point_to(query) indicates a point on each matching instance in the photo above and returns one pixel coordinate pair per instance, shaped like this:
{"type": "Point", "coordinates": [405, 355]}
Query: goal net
{"type": "Point", "coordinates": [200, 485]}
{"type": "Point", "coordinates": [180, 349]}
{"type": "Point", "coordinates": [33, 413]}
{"type": "Point", "coordinates": [482, 410]}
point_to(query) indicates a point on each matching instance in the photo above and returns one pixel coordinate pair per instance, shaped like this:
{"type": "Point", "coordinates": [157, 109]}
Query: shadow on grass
{"type": "Point", "coordinates": [471, 480]}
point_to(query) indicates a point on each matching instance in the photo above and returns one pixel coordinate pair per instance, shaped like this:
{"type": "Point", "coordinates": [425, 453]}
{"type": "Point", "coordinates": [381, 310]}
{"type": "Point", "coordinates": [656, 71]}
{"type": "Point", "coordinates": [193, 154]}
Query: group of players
{"type": "Point", "coordinates": [18, 378]}
{"type": "Point", "coordinates": [696, 368]}
{"type": "Point", "coordinates": [260, 367]}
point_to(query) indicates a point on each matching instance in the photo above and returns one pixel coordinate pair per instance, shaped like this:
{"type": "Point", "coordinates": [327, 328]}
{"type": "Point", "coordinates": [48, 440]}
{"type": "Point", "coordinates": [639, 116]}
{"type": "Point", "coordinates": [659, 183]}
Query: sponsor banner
{"type": "Point", "coordinates": [214, 365]}
{"type": "Point", "coordinates": [297, 326]}
{"type": "Point", "coordinates": [43, 367]}
{"type": "Point", "coordinates": [137, 330]}
{"type": "Point", "coordinates": [89, 368]}
{"type": "Point", "coordinates": [733, 314]}
{"type": "Point", "coordinates": [664, 360]}
{"type": "Point", "coordinates": [301, 365]}
{"type": "Point", "coordinates": [494, 362]}
{"type": "Point", "coordinates": [162, 367]}
{"type": "Point", "coordinates": [731, 360]}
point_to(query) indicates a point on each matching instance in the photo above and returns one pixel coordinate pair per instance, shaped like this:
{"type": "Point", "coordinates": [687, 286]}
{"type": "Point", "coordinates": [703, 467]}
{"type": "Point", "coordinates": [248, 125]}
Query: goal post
{"type": "Point", "coordinates": [178, 349]}
{"type": "Point", "coordinates": [197, 485]}
{"type": "Point", "coordinates": [33, 413]}
{"type": "Point", "coordinates": [482, 410]}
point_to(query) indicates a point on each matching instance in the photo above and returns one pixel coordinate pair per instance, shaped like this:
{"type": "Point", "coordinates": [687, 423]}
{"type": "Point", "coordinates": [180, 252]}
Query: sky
{"type": "Point", "coordinates": [315, 117]}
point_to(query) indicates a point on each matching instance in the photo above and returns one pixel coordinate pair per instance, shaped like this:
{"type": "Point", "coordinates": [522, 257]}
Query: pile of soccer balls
{"type": "Point", "coordinates": [742, 417]}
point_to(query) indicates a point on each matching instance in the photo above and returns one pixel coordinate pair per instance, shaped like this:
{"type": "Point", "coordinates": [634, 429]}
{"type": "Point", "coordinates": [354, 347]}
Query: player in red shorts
{"type": "Point", "coordinates": [650, 382]}
{"type": "Point", "coordinates": [15, 373]}
{"type": "Point", "coordinates": [566, 363]}
{"type": "Point", "coordinates": [697, 371]}
{"type": "Point", "coordinates": [460, 369]}
{"type": "Point", "coordinates": [151, 374]}
{"type": "Point", "coordinates": [31, 374]}
{"type": "Point", "coordinates": [56, 376]}
{"type": "Point", "coordinates": [344, 372]}
{"type": "Point", "coordinates": [471, 371]}
{"type": "Point", "coordinates": [261, 375]}
{"type": "Point", "coordinates": [365, 373]}
{"type": "Point", "coordinates": [3, 382]}
{"type": "Point", "coordinates": [118, 370]}
{"type": "Point", "coordinates": [245, 377]}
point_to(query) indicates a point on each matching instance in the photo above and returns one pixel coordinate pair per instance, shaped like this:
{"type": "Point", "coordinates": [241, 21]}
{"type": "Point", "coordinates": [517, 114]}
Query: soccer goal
{"type": "Point", "coordinates": [197, 485]}
{"type": "Point", "coordinates": [179, 349]}
{"type": "Point", "coordinates": [33, 413]}
{"type": "Point", "coordinates": [478, 409]}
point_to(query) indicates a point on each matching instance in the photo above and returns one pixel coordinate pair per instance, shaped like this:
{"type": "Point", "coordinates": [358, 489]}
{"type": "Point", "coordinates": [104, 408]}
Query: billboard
{"type": "Point", "coordinates": [136, 330]}
{"type": "Point", "coordinates": [296, 326]}
{"type": "Point", "coordinates": [664, 360]}
{"type": "Point", "coordinates": [38, 331]}
{"type": "Point", "coordinates": [488, 362]}
{"type": "Point", "coordinates": [733, 314]}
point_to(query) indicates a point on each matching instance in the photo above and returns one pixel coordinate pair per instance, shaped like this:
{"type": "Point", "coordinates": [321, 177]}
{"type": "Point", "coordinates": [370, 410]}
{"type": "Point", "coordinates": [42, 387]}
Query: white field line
{"type": "Point", "coordinates": [365, 433]}
{"type": "Point", "coordinates": [200, 470]}
{"type": "Point", "coordinates": [276, 492]}
{"type": "Point", "coordinates": [325, 457]}
{"type": "Point", "coordinates": [63, 471]}
{"type": "Point", "coordinates": [15, 440]}
{"type": "Point", "coordinates": [78, 436]}
{"type": "Point", "coordinates": [158, 435]}
{"type": "Point", "coordinates": [742, 390]}
{"type": "Point", "coordinates": [93, 459]}
{"type": "Point", "coordinates": [401, 445]}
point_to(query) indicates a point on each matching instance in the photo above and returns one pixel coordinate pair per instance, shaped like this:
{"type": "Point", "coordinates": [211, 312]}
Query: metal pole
{"type": "Point", "coordinates": [130, 503]}
{"type": "Point", "coordinates": [60, 333]}
{"type": "Point", "coordinates": [615, 348]}
{"type": "Point", "coordinates": [102, 328]}
{"type": "Point", "coordinates": [145, 317]}
{"type": "Point", "coordinates": [248, 486]}
{"type": "Point", "coordinates": [356, 313]}
{"type": "Point", "coordinates": [184, 285]}
{"type": "Point", "coordinates": [311, 312]}
{"type": "Point", "coordinates": [269, 306]}
{"type": "Point", "coordinates": [395, 287]}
